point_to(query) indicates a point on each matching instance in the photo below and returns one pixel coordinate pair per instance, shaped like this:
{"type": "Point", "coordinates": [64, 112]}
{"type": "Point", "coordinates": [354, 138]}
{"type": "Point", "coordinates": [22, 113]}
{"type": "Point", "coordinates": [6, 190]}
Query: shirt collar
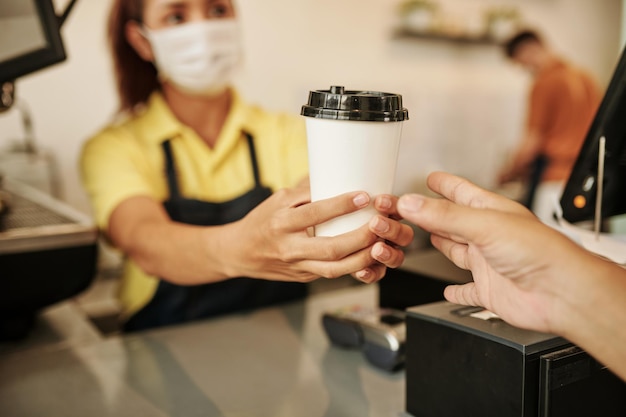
{"type": "Point", "coordinates": [158, 123]}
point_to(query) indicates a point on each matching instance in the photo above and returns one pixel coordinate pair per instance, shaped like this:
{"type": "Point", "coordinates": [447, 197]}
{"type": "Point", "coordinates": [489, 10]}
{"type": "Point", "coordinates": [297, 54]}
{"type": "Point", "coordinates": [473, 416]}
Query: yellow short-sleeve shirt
{"type": "Point", "coordinates": [126, 160]}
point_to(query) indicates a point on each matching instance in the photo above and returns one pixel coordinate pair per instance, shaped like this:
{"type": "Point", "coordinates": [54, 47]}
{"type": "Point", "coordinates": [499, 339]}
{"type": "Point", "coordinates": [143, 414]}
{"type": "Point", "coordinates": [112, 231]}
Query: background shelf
{"type": "Point", "coordinates": [405, 33]}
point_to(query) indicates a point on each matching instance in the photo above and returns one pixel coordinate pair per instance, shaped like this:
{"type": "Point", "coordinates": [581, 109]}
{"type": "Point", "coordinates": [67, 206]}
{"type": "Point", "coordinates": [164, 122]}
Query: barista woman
{"type": "Point", "coordinates": [199, 189]}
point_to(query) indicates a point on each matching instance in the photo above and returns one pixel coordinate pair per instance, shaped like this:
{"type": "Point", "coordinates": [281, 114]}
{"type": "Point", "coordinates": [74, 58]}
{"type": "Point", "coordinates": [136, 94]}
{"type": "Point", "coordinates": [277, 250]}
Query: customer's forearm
{"type": "Point", "coordinates": [594, 316]}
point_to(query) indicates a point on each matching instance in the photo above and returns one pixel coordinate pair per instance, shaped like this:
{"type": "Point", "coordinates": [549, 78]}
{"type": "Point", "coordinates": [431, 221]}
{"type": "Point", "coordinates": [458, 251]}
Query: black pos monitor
{"type": "Point", "coordinates": [578, 200]}
{"type": "Point", "coordinates": [29, 39]}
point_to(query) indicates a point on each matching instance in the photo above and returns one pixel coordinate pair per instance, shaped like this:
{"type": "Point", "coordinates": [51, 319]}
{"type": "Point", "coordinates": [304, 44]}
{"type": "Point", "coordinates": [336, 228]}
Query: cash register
{"type": "Point", "coordinates": [48, 250]}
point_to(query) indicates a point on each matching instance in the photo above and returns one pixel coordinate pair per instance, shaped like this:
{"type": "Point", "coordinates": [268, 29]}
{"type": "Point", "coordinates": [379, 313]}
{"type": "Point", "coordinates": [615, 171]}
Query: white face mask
{"type": "Point", "coordinates": [199, 58]}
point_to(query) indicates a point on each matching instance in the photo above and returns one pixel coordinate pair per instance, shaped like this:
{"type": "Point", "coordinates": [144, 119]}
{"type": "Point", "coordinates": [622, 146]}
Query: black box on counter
{"type": "Point", "coordinates": [461, 361]}
{"type": "Point", "coordinates": [420, 280]}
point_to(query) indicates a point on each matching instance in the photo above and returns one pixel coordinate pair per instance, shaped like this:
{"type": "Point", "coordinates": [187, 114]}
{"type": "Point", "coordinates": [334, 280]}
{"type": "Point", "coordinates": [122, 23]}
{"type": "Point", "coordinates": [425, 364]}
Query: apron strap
{"type": "Point", "coordinates": [170, 169]}
{"type": "Point", "coordinates": [255, 164]}
{"type": "Point", "coordinates": [170, 166]}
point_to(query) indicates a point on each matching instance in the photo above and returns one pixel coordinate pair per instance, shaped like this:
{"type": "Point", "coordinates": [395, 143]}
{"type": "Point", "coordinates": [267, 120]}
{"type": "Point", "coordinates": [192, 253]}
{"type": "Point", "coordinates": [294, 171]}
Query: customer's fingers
{"type": "Point", "coordinates": [441, 217]}
{"type": "Point", "coordinates": [456, 252]}
{"type": "Point", "coordinates": [464, 192]}
{"type": "Point", "coordinates": [466, 294]}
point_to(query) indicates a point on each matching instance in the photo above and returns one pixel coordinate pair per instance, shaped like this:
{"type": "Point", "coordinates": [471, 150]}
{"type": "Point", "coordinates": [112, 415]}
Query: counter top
{"type": "Point", "coordinates": [270, 362]}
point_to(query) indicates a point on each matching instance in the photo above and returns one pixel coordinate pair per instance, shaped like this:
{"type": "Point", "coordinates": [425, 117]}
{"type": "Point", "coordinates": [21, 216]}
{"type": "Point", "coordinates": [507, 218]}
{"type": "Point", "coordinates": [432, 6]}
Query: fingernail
{"type": "Point", "coordinates": [384, 202]}
{"type": "Point", "coordinates": [411, 203]}
{"type": "Point", "coordinates": [379, 225]}
{"type": "Point", "coordinates": [363, 274]}
{"type": "Point", "coordinates": [361, 200]}
{"type": "Point", "coordinates": [381, 253]}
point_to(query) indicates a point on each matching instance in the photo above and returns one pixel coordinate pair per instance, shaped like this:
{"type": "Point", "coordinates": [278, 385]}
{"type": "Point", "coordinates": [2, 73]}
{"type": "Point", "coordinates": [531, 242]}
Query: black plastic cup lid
{"type": "Point", "coordinates": [369, 106]}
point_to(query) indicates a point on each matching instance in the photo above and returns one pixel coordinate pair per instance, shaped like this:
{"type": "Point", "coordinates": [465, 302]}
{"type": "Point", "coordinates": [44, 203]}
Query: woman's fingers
{"type": "Point", "coordinates": [371, 274]}
{"type": "Point", "coordinates": [392, 230]}
{"type": "Point", "coordinates": [304, 214]}
{"type": "Point", "coordinates": [370, 263]}
{"type": "Point", "coordinates": [340, 266]}
{"type": "Point", "coordinates": [387, 255]}
{"type": "Point", "coordinates": [387, 204]}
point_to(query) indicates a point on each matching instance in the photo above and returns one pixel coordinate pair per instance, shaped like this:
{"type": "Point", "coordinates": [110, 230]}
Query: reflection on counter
{"type": "Point", "coordinates": [271, 362]}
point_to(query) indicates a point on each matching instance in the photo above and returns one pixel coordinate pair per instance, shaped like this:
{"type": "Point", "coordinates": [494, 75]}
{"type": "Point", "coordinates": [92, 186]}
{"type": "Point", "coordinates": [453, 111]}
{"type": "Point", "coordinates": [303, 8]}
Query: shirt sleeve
{"type": "Point", "coordinates": [113, 168]}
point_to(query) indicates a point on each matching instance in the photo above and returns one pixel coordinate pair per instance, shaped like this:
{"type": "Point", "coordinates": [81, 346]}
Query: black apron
{"type": "Point", "coordinates": [174, 303]}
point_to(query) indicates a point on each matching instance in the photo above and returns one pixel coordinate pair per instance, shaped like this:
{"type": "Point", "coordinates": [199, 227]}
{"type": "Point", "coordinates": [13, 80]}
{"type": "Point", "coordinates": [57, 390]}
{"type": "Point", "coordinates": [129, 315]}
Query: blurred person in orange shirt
{"type": "Point", "coordinates": [562, 103]}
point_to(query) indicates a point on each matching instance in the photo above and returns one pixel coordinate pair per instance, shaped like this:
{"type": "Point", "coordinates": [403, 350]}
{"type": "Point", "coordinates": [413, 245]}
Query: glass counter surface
{"type": "Point", "coordinates": [270, 362]}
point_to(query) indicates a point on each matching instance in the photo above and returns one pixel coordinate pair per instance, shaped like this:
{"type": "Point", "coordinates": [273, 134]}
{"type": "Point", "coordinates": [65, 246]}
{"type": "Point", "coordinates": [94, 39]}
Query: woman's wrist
{"type": "Point", "coordinates": [221, 253]}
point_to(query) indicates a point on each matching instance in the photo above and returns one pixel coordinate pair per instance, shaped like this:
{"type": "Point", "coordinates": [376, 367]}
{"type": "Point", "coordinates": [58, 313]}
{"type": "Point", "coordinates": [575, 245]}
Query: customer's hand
{"type": "Point", "coordinates": [526, 272]}
{"type": "Point", "coordinates": [519, 265]}
{"type": "Point", "coordinates": [273, 242]}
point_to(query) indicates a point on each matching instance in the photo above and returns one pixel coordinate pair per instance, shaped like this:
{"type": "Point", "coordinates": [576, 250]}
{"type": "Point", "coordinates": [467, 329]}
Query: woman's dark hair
{"type": "Point", "coordinates": [136, 79]}
{"type": "Point", "coordinates": [522, 37]}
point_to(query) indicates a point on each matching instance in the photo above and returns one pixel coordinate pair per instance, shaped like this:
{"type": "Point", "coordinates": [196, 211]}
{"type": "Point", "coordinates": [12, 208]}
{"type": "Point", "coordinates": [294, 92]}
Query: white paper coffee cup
{"type": "Point", "coordinates": [353, 140]}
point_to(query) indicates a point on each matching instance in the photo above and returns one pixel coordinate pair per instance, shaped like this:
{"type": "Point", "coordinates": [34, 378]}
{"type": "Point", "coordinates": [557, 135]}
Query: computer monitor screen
{"type": "Point", "coordinates": [29, 37]}
{"type": "Point", "coordinates": [578, 200]}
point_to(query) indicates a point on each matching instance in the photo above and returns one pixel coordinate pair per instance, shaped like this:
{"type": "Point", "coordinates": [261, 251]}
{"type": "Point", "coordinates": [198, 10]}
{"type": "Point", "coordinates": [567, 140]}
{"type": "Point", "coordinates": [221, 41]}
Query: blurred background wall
{"type": "Point", "coordinates": [466, 102]}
